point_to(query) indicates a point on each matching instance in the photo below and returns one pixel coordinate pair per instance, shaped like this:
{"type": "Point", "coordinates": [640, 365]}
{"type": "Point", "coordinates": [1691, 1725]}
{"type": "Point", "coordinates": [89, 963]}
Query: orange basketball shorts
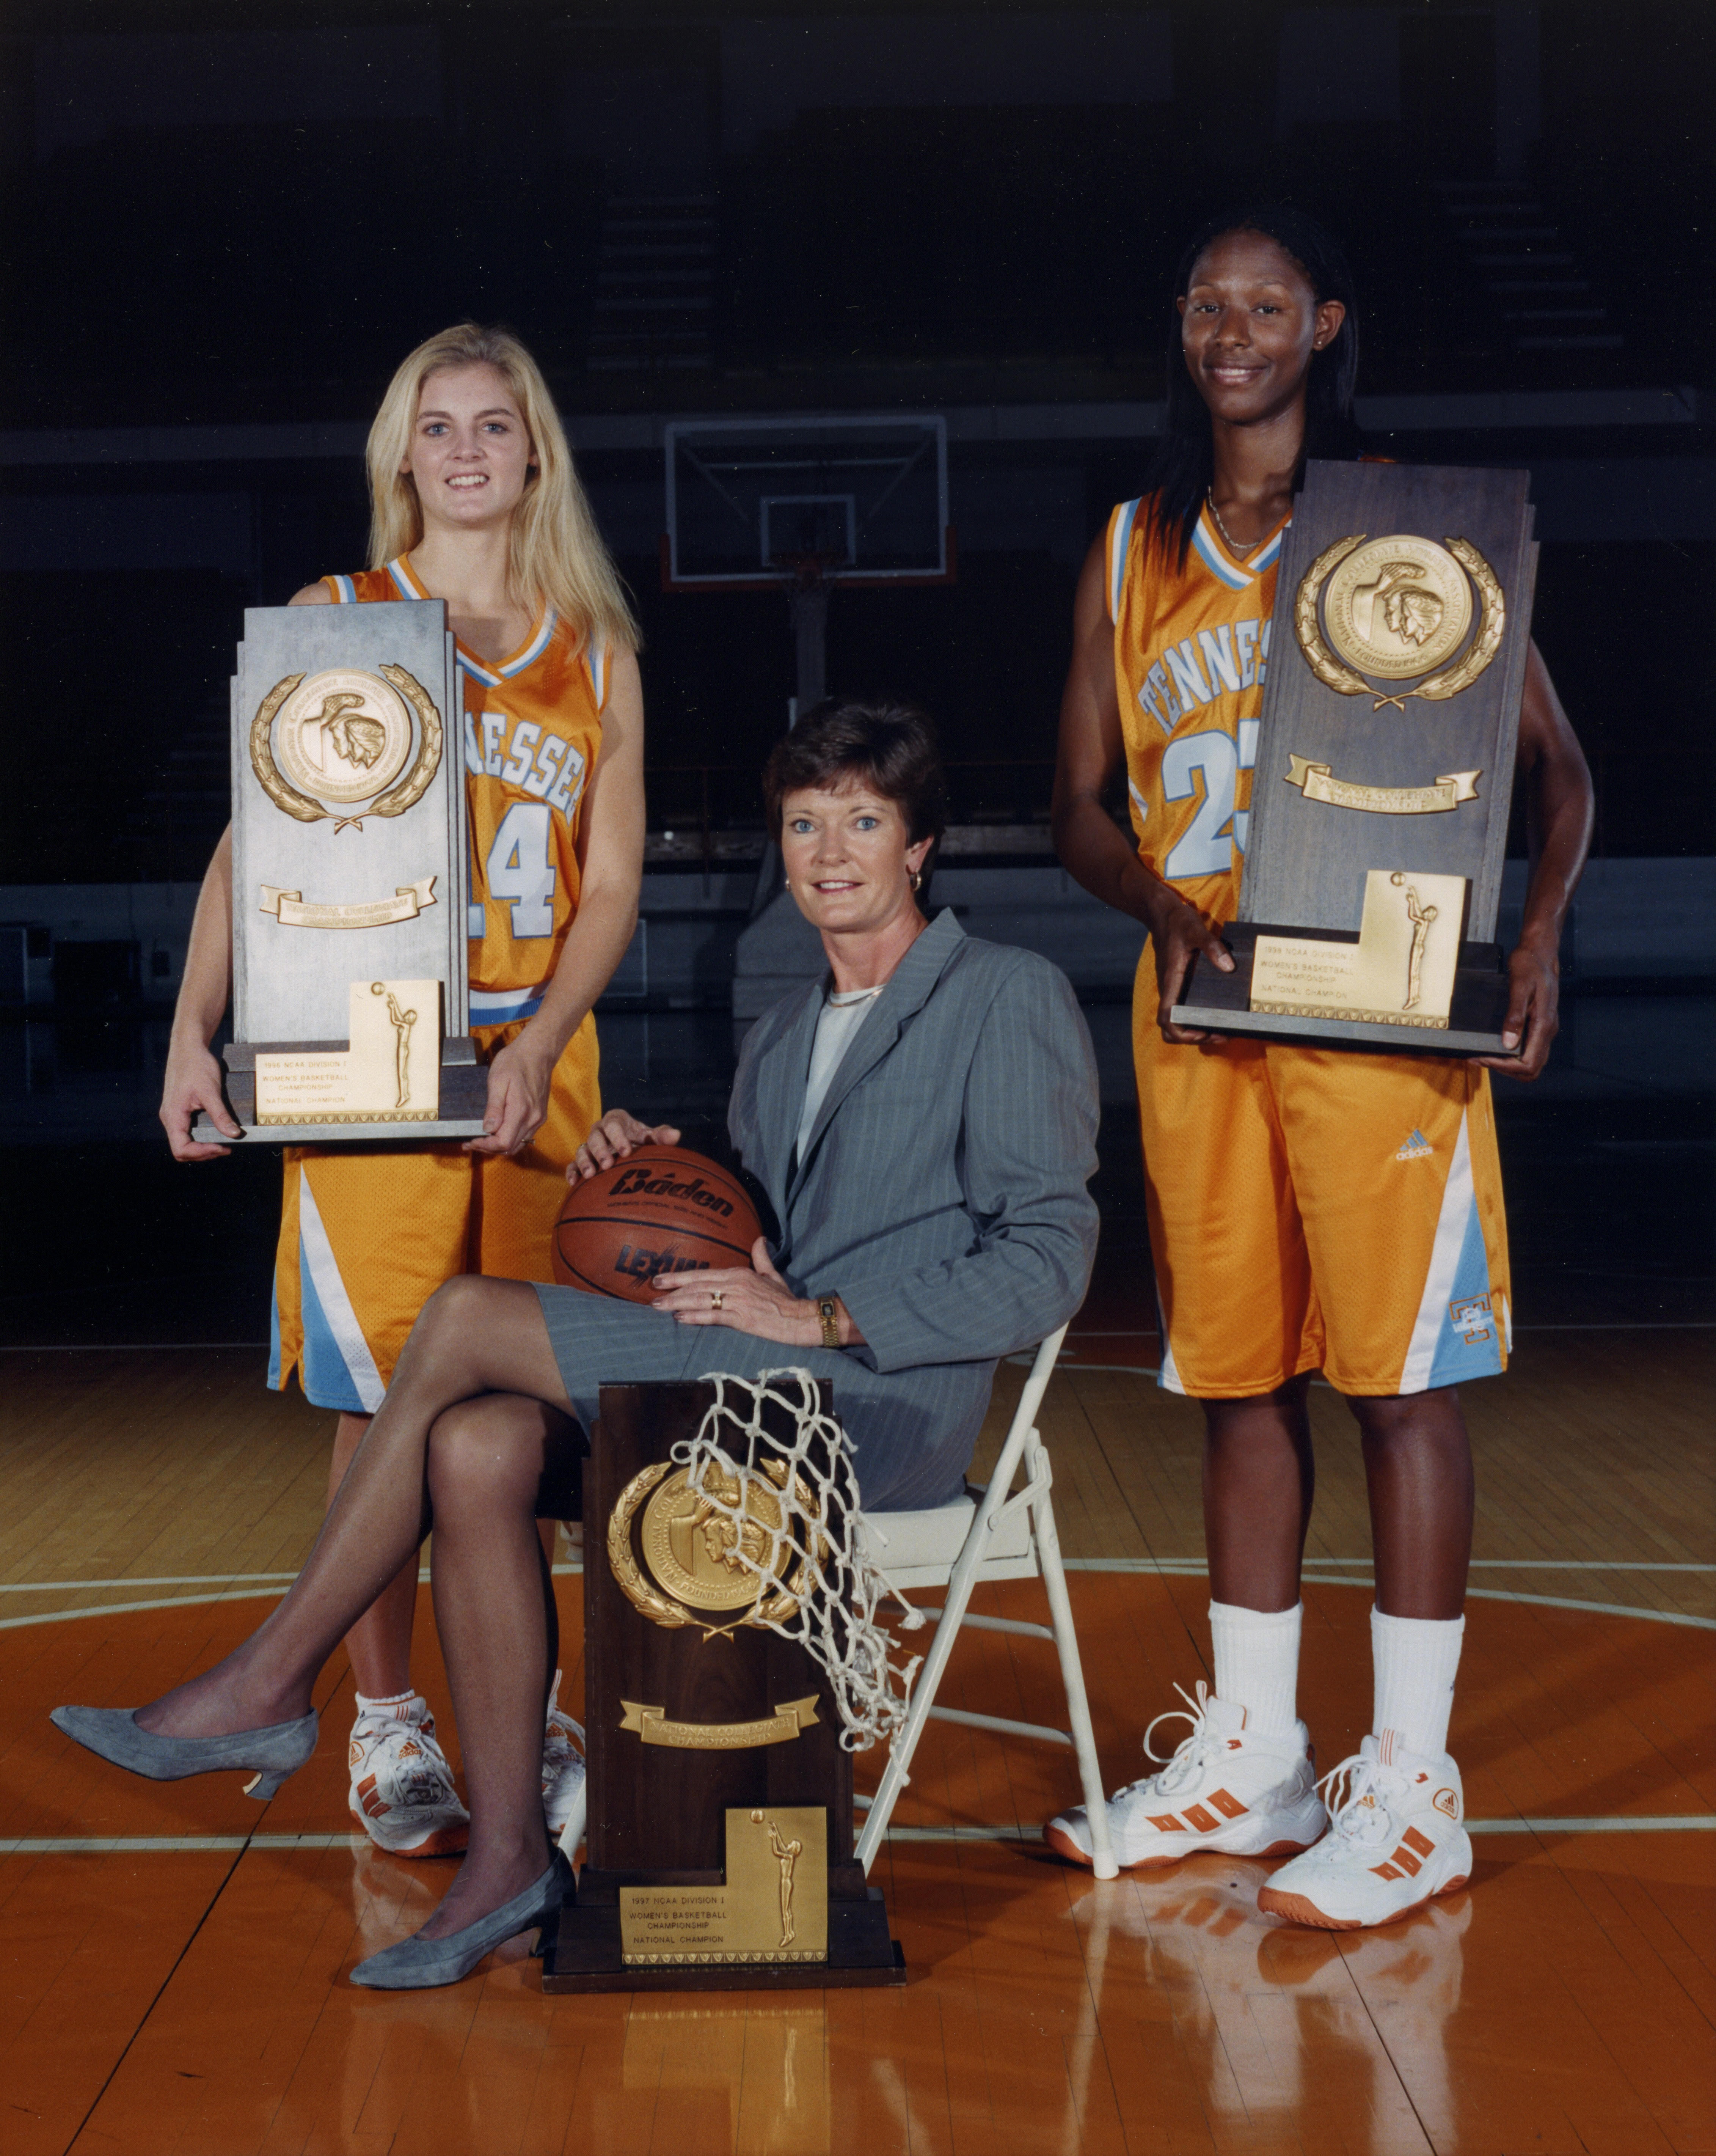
{"type": "Point", "coordinates": [368, 1234]}
{"type": "Point", "coordinates": [1316, 1209]}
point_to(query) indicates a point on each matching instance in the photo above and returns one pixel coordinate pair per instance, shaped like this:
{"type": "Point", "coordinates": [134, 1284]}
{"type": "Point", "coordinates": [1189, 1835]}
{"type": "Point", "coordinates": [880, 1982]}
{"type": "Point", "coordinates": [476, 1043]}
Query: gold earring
{"type": "Point", "coordinates": [917, 878]}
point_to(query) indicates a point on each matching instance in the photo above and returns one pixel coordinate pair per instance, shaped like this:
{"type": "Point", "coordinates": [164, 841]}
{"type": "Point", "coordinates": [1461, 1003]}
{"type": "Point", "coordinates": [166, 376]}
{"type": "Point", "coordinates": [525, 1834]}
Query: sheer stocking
{"type": "Point", "coordinates": [494, 1611]}
{"type": "Point", "coordinates": [474, 1337]}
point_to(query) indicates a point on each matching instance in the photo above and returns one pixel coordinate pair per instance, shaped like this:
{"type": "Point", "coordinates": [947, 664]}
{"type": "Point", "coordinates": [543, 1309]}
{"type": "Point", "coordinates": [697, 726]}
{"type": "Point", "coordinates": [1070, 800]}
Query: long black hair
{"type": "Point", "coordinates": [1183, 468]}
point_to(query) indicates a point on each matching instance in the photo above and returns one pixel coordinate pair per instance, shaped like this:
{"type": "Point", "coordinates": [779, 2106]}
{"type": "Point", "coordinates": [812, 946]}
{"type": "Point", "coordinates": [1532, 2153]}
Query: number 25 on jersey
{"type": "Point", "coordinates": [1205, 848]}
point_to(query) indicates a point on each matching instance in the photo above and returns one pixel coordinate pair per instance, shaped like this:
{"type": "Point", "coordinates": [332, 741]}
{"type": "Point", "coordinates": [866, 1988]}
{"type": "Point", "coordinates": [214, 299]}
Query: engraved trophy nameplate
{"type": "Point", "coordinates": [1383, 768]}
{"type": "Point", "coordinates": [350, 1003]}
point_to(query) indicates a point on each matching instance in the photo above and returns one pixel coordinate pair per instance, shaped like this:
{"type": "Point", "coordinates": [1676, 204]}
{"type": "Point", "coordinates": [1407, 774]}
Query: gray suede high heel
{"type": "Point", "coordinates": [420, 1964]}
{"type": "Point", "coordinates": [271, 1755]}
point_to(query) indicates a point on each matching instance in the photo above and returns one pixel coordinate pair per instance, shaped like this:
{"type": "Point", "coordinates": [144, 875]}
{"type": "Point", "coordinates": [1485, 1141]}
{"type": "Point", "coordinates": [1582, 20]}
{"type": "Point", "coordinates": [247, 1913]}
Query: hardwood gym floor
{"type": "Point", "coordinates": [173, 1957]}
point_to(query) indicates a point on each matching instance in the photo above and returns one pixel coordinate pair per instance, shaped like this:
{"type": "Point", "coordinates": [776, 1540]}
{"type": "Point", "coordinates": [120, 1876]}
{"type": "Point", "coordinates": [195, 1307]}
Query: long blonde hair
{"type": "Point", "coordinates": [558, 557]}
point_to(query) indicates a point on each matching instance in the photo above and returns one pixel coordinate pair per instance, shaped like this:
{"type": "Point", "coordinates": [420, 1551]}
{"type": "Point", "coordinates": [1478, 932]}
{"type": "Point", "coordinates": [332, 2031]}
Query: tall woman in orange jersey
{"type": "Point", "coordinates": [474, 500]}
{"type": "Point", "coordinates": [1309, 1209]}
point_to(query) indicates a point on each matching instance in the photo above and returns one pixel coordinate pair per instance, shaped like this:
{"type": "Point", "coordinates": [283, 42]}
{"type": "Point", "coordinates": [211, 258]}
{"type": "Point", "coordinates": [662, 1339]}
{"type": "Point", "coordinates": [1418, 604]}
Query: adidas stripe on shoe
{"type": "Point", "coordinates": [401, 1792]}
{"type": "Point", "coordinates": [1226, 1789]}
{"type": "Point", "coordinates": [1397, 1842]}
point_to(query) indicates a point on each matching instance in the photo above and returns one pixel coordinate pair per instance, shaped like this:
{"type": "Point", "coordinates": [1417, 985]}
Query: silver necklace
{"type": "Point", "coordinates": [1250, 546]}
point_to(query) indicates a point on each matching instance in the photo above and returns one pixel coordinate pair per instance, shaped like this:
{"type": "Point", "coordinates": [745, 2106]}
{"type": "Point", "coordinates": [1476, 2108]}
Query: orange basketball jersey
{"type": "Point", "coordinates": [1190, 650]}
{"type": "Point", "coordinates": [532, 728]}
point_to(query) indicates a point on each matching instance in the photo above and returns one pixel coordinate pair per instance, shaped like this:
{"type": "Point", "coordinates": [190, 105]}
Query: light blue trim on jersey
{"type": "Point", "coordinates": [491, 677]}
{"type": "Point", "coordinates": [337, 1369]}
{"type": "Point", "coordinates": [1203, 545]}
{"type": "Point", "coordinates": [1120, 545]}
{"type": "Point", "coordinates": [274, 1382]}
{"type": "Point", "coordinates": [1237, 576]}
{"type": "Point", "coordinates": [1442, 1351]}
{"type": "Point", "coordinates": [596, 665]}
{"type": "Point", "coordinates": [535, 648]}
{"type": "Point", "coordinates": [475, 668]}
{"type": "Point", "coordinates": [345, 591]}
{"type": "Point", "coordinates": [1474, 1349]}
{"type": "Point", "coordinates": [321, 1368]}
{"type": "Point", "coordinates": [502, 1006]}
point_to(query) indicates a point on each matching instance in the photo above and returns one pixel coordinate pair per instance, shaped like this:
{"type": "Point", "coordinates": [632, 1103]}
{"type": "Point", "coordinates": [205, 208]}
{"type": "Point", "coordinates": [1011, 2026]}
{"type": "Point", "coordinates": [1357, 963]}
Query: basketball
{"type": "Point", "coordinates": [661, 1210]}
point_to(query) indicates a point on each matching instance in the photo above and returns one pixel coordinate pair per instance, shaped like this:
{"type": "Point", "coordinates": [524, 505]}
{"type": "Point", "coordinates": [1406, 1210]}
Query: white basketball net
{"type": "Point", "coordinates": [834, 1617]}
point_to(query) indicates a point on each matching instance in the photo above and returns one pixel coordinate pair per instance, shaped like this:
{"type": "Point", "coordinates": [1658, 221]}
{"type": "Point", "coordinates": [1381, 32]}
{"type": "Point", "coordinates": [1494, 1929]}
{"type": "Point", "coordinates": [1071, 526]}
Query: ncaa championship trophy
{"type": "Point", "coordinates": [719, 1673]}
{"type": "Point", "coordinates": [1384, 767]}
{"type": "Point", "coordinates": [349, 995]}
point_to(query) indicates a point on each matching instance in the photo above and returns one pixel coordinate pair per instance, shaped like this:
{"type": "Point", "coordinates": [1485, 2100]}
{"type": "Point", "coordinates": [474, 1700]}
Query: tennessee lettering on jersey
{"type": "Point", "coordinates": [530, 729]}
{"type": "Point", "coordinates": [1191, 648]}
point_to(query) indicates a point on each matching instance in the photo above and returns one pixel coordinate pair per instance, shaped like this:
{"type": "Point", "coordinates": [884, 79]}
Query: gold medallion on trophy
{"type": "Point", "coordinates": [697, 1551]}
{"type": "Point", "coordinates": [1397, 606]}
{"type": "Point", "coordinates": [331, 744]}
{"type": "Point", "coordinates": [342, 736]}
{"type": "Point", "coordinates": [1399, 610]}
{"type": "Point", "coordinates": [696, 1556]}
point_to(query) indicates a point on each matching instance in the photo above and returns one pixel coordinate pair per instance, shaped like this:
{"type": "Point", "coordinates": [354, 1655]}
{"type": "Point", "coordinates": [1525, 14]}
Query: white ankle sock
{"type": "Point", "coordinates": [394, 1704]}
{"type": "Point", "coordinates": [1256, 1664]}
{"type": "Point", "coordinates": [1415, 1659]}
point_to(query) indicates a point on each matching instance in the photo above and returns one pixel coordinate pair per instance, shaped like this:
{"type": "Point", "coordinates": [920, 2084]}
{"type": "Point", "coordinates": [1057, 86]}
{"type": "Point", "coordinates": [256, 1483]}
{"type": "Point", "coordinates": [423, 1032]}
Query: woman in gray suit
{"type": "Point", "coordinates": [923, 1121]}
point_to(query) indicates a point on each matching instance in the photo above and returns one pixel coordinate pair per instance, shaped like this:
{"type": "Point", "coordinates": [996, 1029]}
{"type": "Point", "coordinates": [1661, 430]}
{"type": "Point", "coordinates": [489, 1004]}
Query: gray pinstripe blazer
{"type": "Point", "coordinates": [941, 1193]}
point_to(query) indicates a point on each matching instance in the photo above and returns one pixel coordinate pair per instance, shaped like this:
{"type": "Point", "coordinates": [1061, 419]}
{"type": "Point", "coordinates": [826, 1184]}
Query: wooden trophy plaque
{"type": "Point", "coordinates": [720, 1852]}
{"type": "Point", "coordinates": [1384, 767]}
{"type": "Point", "coordinates": [350, 1010]}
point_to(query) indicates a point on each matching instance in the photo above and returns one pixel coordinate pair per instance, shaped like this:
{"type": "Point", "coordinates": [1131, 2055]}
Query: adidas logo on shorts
{"type": "Point", "coordinates": [1416, 1148]}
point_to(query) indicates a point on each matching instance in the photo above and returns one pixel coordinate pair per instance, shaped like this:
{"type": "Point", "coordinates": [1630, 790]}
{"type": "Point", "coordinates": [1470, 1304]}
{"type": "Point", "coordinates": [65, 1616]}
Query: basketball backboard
{"type": "Point", "coordinates": [850, 499]}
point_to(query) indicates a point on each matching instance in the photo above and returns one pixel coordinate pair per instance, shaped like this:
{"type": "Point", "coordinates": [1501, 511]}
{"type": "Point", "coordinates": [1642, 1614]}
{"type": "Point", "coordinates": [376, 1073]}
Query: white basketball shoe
{"type": "Point", "coordinates": [1397, 1842]}
{"type": "Point", "coordinates": [562, 1764]}
{"type": "Point", "coordinates": [402, 1787]}
{"type": "Point", "coordinates": [1226, 1788]}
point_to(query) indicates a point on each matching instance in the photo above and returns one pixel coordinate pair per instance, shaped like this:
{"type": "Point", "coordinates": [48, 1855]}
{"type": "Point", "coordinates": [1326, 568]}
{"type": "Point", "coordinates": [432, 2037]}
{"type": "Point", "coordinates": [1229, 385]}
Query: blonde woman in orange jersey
{"type": "Point", "coordinates": [474, 499]}
{"type": "Point", "coordinates": [1308, 1208]}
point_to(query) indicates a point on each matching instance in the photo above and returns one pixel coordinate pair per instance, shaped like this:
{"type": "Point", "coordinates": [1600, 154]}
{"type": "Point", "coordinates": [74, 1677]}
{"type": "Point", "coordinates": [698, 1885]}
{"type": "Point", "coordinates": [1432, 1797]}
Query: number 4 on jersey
{"type": "Point", "coordinates": [518, 868]}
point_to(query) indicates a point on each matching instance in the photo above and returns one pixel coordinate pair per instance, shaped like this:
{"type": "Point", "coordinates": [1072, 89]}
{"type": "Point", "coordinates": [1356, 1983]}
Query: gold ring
{"type": "Point", "coordinates": [716, 1299]}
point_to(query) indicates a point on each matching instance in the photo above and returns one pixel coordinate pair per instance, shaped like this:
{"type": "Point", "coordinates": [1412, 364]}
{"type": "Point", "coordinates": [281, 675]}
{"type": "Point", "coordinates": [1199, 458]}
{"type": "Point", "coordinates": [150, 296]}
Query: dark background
{"type": "Point", "coordinates": [232, 217]}
{"type": "Point", "coordinates": [226, 223]}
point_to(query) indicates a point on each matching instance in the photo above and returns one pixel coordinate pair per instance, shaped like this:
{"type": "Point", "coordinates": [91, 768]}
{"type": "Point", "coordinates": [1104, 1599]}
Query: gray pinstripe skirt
{"type": "Point", "coordinates": [911, 1432]}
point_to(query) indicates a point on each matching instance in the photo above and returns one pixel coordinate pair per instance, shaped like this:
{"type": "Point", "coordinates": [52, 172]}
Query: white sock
{"type": "Point", "coordinates": [395, 1704]}
{"type": "Point", "coordinates": [1256, 1664]}
{"type": "Point", "coordinates": [1414, 1660]}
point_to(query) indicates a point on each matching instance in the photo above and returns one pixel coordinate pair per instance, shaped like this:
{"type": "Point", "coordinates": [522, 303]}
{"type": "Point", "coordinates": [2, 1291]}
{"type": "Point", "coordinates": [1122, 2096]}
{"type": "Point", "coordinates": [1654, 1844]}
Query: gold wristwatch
{"type": "Point", "coordinates": [831, 1321]}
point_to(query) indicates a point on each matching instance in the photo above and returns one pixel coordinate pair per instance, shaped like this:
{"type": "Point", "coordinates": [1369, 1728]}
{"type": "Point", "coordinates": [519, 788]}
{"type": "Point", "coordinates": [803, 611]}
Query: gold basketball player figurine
{"type": "Point", "coordinates": [1421, 918]}
{"type": "Point", "coordinates": [787, 1855]}
{"type": "Point", "coordinates": [402, 1022]}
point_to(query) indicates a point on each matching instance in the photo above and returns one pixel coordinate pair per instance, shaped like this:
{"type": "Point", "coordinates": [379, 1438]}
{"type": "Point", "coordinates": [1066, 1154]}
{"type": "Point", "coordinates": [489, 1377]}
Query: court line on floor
{"type": "Point", "coordinates": [1176, 1565]}
{"type": "Point", "coordinates": [210, 1844]}
{"type": "Point", "coordinates": [1135, 1565]}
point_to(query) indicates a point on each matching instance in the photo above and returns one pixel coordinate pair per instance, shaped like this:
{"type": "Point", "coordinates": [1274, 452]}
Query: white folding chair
{"type": "Point", "coordinates": [988, 1534]}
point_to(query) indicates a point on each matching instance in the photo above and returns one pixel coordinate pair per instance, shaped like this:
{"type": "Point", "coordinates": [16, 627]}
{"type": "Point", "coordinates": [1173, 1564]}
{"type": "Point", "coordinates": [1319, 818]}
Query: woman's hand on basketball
{"type": "Point", "coordinates": [1181, 934]}
{"type": "Point", "coordinates": [193, 1082]}
{"type": "Point", "coordinates": [611, 1139]}
{"type": "Point", "coordinates": [759, 1302]}
{"type": "Point", "coordinates": [519, 1080]}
